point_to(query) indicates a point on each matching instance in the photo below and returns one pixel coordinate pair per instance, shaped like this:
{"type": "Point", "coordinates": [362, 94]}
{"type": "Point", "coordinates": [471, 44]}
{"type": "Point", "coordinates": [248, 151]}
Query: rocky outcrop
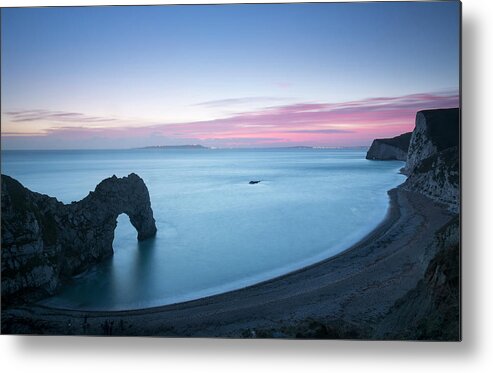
{"type": "Point", "coordinates": [433, 159]}
{"type": "Point", "coordinates": [438, 178]}
{"type": "Point", "coordinates": [45, 241]}
{"type": "Point", "coordinates": [431, 153]}
{"type": "Point", "coordinates": [435, 131]}
{"type": "Point", "coordinates": [431, 311]}
{"type": "Point", "coordinates": [394, 148]}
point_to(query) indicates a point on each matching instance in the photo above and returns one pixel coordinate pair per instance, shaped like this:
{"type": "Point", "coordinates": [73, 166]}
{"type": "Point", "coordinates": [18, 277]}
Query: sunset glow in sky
{"type": "Point", "coordinates": [225, 76]}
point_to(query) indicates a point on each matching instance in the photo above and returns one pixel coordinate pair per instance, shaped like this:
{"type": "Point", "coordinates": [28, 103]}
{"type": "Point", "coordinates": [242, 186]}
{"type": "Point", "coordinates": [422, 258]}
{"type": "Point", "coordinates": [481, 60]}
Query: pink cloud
{"type": "Point", "coordinates": [328, 124]}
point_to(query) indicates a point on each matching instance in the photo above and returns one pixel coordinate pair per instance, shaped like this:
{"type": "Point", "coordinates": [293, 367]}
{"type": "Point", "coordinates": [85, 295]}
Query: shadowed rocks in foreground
{"type": "Point", "coordinates": [45, 241]}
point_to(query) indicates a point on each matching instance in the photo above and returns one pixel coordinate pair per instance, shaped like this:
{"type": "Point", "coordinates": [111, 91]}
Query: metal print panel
{"type": "Point", "coordinates": [240, 171]}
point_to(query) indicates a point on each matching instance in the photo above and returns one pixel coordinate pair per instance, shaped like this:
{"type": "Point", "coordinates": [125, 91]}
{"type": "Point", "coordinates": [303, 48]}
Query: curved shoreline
{"type": "Point", "coordinates": [391, 215]}
{"type": "Point", "coordinates": [357, 285]}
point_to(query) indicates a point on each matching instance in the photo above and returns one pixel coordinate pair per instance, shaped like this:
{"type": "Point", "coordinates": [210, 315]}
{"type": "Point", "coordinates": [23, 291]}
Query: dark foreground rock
{"type": "Point", "coordinates": [394, 148]}
{"type": "Point", "coordinates": [45, 241]}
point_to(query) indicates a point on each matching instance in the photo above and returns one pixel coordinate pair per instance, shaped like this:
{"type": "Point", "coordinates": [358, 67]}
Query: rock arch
{"type": "Point", "coordinates": [45, 241]}
{"type": "Point", "coordinates": [115, 196]}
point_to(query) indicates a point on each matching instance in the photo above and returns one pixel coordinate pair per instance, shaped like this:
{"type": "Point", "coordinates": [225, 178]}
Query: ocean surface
{"type": "Point", "coordinates": [216, 232]}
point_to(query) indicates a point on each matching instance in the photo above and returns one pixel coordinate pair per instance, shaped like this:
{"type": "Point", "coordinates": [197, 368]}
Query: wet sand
{"type": "Point", "coordinates": [356, 287]}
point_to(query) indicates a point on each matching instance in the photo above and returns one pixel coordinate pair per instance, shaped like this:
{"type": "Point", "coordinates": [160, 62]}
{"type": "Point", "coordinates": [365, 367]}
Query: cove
{"type": "Point", "coordinates": [216, 232]}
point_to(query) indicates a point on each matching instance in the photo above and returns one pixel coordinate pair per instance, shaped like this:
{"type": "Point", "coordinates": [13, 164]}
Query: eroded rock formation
{"type": "Point", "coordinates": [45, 241]}
{"type": "Point", "coordinates": [435, 131]}
{"type": "Point", "coordinates": [394, 148]}
{"type": "Point", "coordinates": [431, 153]}
{"type": "Point", "coordinates": [433, 159]}
{"type": "Point", "coordinates": [432, 309]}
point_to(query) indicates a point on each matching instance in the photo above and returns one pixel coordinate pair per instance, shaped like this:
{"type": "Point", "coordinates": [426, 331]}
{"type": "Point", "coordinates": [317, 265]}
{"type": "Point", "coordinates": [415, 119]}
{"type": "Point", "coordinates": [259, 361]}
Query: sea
{"type": "Point", "coordinates": [216, 232]}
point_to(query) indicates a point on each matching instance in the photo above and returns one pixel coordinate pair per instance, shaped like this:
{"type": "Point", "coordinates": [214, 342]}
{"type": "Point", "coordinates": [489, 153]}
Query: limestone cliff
{"type": "Point", "coordinates": [433, 159]}
{"type": "Point", "coordinates": [435, 131]}
{"type": "Point", "coordinates": [432, 309]}
{"type": "Point", "coordinates": [394, 148]}
{"type": "Point", "coordinates": [45, 241]}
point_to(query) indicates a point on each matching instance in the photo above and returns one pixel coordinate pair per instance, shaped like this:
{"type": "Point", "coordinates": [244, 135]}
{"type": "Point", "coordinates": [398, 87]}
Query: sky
{"type": "Point", "coordinates": [263, 75]}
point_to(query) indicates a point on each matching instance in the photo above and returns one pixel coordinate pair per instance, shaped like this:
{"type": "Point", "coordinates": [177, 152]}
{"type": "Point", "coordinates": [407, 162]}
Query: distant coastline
{"type": "Point", "coordinates": [197, 147]}
{"type": "Point", "coordinates": [164, 147]}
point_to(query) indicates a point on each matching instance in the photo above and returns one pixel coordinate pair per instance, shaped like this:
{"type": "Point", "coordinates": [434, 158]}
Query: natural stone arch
{"type": "Point", "coordinates": [44, 240]}
{"type": "Point", "coordinates": [98, 214]}
{"type": "Point", "coordinates": [126, 195]}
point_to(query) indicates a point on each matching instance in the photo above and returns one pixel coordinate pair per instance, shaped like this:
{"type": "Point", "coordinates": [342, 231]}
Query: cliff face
{"type": "Point", "coordinates": [438, 178]}
{"type": "Point", "coordinates": [433, 159]}
{"type": "Point", "coordinates": [432, 309]}
{"type": "Point", "coordinates": [431, 153]}
{"type": "Point", "coordinates": [395, 148]}
{"type": "Point", "coordinates": [435, 131]}
{"type": "Point", "coordinates": [45, 241]}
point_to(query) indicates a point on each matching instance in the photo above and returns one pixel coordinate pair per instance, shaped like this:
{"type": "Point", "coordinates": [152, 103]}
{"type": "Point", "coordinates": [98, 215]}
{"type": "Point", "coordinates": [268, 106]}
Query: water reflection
{"type": "Point", "coordinates": [132, 271]}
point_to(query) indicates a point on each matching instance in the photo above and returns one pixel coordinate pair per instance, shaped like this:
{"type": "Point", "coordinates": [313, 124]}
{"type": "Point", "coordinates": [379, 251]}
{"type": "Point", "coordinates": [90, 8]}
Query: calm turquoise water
{"type": "Point", "coordinates": [215, 231]}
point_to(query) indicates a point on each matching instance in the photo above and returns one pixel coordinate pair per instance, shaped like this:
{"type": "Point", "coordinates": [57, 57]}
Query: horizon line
{"type": "Point", "coordinates": [203, 147]}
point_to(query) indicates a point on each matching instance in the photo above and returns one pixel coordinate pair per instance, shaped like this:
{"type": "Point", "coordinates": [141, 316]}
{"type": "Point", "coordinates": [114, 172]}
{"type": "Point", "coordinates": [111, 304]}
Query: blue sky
{"type": "Point", "coordinates": [130, 76]}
